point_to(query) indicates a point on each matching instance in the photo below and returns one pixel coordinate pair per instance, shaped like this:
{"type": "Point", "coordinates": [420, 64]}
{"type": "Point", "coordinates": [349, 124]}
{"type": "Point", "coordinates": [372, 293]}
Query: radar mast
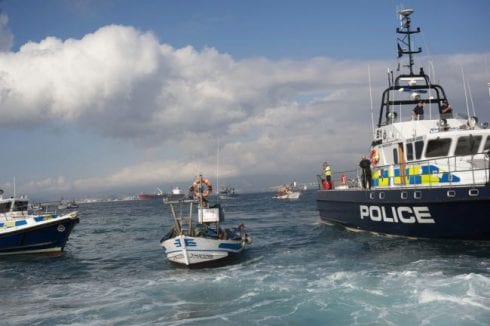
{"type": "Point", "coordinates": [406, 40]}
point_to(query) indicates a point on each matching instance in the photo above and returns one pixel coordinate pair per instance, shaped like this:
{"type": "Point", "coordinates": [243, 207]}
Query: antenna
{"type": "Point", "coordinates": [465, 93]}
{"type": "Point", "coordinates": [371, 97]}
{"type": "Point", "coordinates": [432, 71]}
{"type": "Point", "coordinates": [217, 173]}
{"type": "Point", "coordinates": [471, 99]}
{"type": "Point", "coordinates": [406, 40]}
{"type": "Point", "coordinates": [486, 69]}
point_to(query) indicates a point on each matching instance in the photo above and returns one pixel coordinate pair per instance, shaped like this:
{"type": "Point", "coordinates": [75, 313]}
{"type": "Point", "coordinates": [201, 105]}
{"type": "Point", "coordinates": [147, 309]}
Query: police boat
{"type": "Point", "coordinates": [429, 175]}
{"type": "Point", "coordinates": [23, 232]}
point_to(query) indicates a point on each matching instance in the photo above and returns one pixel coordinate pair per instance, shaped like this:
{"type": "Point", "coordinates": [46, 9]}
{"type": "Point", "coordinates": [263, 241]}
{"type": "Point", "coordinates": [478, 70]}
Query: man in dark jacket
{"type": "Point", "coordinates": [365, 165]}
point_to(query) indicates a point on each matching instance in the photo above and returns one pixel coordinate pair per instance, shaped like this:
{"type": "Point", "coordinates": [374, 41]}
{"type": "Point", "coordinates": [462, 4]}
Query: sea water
{"type": "Point", "coordinates": [297, 272]}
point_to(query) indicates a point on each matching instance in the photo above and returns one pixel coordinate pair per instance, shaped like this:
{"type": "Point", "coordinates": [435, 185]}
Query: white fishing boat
{"type": "Point", "coordinates": [22, 232]}
{"type": "Point", "coordinates": [290, 191]}
{"type": "Point", "coordinates": [197, 237]}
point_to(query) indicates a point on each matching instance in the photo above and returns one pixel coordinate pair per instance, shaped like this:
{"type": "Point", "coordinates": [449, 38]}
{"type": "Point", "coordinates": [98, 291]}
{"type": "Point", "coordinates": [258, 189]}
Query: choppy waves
{"type": "Point", "coordinates": [296, 272]}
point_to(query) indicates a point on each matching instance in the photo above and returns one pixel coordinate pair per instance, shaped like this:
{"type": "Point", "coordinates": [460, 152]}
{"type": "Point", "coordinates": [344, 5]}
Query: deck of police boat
{"type": "Point", "coordinates": [430, 173]}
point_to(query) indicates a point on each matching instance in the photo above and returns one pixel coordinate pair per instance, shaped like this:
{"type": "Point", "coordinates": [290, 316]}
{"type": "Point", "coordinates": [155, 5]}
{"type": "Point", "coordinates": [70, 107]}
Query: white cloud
{"type": "Point", "coordinates": [162, 173]}
{"type": "Point", "coordinates": [49, 185]}
{"type": "Point", "coordinates": [271, 117]}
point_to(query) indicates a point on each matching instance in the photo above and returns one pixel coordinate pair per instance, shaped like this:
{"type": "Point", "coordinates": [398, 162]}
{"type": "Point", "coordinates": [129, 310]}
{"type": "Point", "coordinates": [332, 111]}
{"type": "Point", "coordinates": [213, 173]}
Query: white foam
{"type": "Point", "coordinates": [433, 296]}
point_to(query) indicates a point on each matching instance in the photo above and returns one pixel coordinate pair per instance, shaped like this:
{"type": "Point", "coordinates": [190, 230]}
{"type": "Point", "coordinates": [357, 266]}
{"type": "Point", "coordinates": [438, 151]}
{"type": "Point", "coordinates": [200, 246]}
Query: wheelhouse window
{"type": "Point", "coordinates": [410, 152]}
{"type": "Point", "coordinates": [467, 145]}
{"type": "Point", "coordinates": [5, 207]}
{"type": "Point", "coordinates": [20, 206]}
{"type": "Point", "coordinates": [419, 146]}
{"type": "Point", "coordinates": [395, 156]}
{"type": "Point", "coordinates": [414, 150]}
{"type": "Point", "coordinates": [438, 147]}
{"type": "Point", "coordinates": [487, 145]}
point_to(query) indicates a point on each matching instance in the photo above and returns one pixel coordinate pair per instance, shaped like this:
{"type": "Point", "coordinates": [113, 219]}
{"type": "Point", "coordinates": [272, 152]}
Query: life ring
{"type": "Point", "coordinates": [197, 189]}
{"type": "Point", "coordinates": [374, 157]}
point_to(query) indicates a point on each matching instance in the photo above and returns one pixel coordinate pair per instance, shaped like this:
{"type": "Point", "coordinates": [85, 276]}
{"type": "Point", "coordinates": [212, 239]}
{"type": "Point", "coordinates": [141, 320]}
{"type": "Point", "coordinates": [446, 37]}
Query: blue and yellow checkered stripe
{"type": "Point", "coordinates": [16, 223]}
{"type": "Point", "coordinates": [414, 175]}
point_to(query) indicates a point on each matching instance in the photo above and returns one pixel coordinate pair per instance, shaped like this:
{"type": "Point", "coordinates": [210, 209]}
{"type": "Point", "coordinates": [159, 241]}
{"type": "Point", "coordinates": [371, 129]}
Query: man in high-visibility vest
{"type": "Point", "coordinates": [327, 175]}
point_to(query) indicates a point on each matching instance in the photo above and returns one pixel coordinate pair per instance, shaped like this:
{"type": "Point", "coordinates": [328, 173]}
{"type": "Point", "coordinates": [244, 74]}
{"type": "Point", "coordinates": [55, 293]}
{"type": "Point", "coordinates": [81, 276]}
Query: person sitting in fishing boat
{"type": "Point", "coordinates": [418, 111]}
{"type": "Point", "coordinates": [445, 110]}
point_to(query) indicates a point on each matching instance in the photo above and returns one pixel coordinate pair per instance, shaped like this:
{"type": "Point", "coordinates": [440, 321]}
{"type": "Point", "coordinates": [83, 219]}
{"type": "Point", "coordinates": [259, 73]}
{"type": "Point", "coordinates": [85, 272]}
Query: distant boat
{"type": "Point", "coordinates": [145, 196]}
{"type": "Point", "coordinates": [154, 196]}
{"type": "Point", "coordinates": [62, 206]}
{"type": "Point", "coordinates": [192, 241]}
{"type": "Point", "coordinates": [176, 194]}
{"type": "Point", "coordinates": [25, 233]}
{"type": "Point", "coordinates": [72, 205]}
{"type": "Point", "coordinates": [227, 192]}
{"type": "Point", "coordinates": [288, 192]}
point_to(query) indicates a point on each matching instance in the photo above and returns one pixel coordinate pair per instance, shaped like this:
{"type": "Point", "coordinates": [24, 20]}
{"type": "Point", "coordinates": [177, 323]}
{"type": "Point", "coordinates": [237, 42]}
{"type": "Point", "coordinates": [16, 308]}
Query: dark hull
{"type": "Point", "coordinates": [150, 196]}
{"type": "Point", "coordinates": [443, 213]}
{"type": "Point", "coordinates": [45, 238]}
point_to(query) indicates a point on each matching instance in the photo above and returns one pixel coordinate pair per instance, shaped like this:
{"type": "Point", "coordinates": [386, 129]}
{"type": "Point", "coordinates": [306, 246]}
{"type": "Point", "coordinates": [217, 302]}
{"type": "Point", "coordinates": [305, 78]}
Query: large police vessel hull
{"type": "Point", "coordinates": [443, 213]}
{"type": "Point", "coordinates": [429, 170]}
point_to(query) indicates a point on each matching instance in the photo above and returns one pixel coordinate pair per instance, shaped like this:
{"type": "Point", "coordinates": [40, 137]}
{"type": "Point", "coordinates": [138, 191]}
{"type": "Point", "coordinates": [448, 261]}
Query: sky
{"type": "Point", "coordinates": [110, 97]}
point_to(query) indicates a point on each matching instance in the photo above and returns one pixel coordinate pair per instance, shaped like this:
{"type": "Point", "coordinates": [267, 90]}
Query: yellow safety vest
{"type": "Point", "coordinates": [327, 171]}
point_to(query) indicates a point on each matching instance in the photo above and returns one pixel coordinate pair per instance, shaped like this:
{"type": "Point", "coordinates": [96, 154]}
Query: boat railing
{"type": "Point", "coordinates": [348, 179]}
{"type": "Point", "coordinates": [46, 209]}
{"type": "Point", "coordinates": [182, 211]}
{"type": "Point", "coordinates": [471, 170]}
{"type": "Point", "coordinates": [431, 113]}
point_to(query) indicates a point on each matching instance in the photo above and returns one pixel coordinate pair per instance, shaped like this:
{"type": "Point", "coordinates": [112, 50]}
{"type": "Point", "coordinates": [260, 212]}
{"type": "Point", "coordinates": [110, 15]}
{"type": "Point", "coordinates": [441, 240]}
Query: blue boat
{"type": "Point", "coordinates": [22, 232]}
{"type": "Point", "coordinates": [427, 172]}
